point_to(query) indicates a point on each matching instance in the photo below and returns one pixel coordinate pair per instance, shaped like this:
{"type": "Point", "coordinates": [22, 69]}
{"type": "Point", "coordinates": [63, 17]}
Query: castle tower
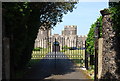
{"type": "Point", "coordinates": [69, 30]}
{"type": "Point", "coordinates": [70, 35]}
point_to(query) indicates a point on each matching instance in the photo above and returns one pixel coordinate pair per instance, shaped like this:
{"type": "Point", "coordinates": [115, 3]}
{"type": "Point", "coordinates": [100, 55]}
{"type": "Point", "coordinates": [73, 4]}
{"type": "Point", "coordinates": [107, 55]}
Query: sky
{"type": "Point", "coordinates": [83, 16]}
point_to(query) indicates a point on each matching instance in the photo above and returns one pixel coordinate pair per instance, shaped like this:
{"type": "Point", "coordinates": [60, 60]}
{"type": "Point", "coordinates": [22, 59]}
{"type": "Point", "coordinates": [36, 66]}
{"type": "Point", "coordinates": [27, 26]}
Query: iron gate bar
{"type": "Point", "coordinates": [50, 44]}
{"type": "Point", "coordinates": [39, 48]}
{"type": "Point", "coordinates": [43, 46]}
{"type": "Point", "coordinates": [62, 45]}
{"type": "Point", "coordinates": [82, 53]}
{"type": "Point", "coordinates": [79, 49]}
{"type": "Point", "coordinates": [69, 50]}
{"type": "Point", "coordinates": [72, 50]}
{"type": "Point", "coordinates": [86, 57]}
{"type": "Point", "coordinates": [55, 54]}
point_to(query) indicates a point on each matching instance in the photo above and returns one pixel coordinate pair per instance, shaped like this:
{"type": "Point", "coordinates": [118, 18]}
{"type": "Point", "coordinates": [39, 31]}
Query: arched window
{"type": "Point", "coordinates": [67, 38]}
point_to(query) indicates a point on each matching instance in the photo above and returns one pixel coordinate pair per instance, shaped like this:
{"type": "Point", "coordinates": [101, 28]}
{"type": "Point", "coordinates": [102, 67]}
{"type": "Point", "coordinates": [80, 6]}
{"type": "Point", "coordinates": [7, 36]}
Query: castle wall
{"type": "Point", "coordinates": [69, 37]}
{"type": "Point", "coordinates": [42, 38]}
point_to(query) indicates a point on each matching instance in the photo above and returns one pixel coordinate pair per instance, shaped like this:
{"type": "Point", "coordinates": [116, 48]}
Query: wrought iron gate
{"type": "Point", "coordinates": [68, 47]}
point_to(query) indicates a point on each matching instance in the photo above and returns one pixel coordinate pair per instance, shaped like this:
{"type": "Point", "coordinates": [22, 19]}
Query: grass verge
{"type": "Point", "coordinates": [77, 56]}
{"type": "Point", "coordinates": [40, 54]}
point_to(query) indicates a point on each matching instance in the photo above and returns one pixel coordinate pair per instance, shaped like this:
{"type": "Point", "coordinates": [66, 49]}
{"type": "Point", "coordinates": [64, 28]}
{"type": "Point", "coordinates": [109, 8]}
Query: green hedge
{"type": "Point", "coordinates": [37, 49]}
{"type": "Point", "coordinates": [90, 41]}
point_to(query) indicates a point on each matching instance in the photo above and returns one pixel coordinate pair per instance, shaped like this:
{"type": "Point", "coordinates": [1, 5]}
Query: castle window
{"type": "Point", "coordinates": [67, 37]}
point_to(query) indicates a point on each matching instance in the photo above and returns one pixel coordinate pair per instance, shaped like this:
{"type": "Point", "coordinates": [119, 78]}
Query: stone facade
{"type": "Point", "coordinates": [110, 59]}
{"type": "Point", "coordinates": [68, 38]}
{"type": "Point", "coordinates": [41, 40]}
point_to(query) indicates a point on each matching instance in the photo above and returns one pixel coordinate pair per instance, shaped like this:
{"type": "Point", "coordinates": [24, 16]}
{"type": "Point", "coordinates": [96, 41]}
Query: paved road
{"type": "Point", "coordinates": [51, 68]}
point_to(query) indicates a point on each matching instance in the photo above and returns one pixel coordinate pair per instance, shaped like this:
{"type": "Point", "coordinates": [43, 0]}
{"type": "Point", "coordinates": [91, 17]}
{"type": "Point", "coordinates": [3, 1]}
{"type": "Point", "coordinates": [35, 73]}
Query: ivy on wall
{"type": "Point", "coordinates": [115, 15]}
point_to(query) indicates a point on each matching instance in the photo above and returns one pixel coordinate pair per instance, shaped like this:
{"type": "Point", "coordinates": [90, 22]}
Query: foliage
{"type": "Point", "coordinates": [40, 54]}
{"type": "Point", "coordinates": [32, 62]}
{"type": "Point", "coordinates": [63, 50]}
{"type": "Point", "coordinates": [90, 41]}
{"type": "Point", "coordinates": [72, 48]}
{"type": "Point", "coordinates": [65, 47]}
{"type": "Point", "coordinates": [22, 22]}
{"type": "Point", "coordinates": [115, 15]}
{"type": "Point", "coordinates": [76, 56]}
{"type": "Point", "coordinates": [37, 49]}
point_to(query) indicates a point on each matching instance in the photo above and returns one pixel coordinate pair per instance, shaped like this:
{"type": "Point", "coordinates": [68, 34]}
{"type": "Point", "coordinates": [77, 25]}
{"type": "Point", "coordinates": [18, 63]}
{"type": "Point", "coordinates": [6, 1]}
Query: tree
{"type": "Point", "coordinates": [115, 15]}
{"type": "Point", "coordinates": [90, 37]}
{"type": "Point", "coordinates": [22, 22]}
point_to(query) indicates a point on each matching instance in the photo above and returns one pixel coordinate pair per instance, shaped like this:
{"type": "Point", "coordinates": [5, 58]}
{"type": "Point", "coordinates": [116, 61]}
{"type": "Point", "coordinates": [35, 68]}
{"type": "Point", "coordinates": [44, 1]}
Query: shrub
{"type": "Point", "coordinates": [37, 49]}
{"type": "Point", "coordinates": [63, 50]}
{"type": "Point", "coordinates": [65, 47]}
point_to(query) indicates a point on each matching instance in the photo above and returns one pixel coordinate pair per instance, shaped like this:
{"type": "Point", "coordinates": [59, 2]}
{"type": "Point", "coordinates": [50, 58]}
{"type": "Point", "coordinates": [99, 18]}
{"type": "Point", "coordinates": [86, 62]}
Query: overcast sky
{"type": "Point", "coordinates": [85, 14]}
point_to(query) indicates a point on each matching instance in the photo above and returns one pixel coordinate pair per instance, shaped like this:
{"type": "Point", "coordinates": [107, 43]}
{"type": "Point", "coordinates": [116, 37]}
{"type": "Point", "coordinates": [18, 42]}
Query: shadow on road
{"type": "Point", "coordinates": [54, 64]}
{"type": "Point", "coordinates": [48, 67]}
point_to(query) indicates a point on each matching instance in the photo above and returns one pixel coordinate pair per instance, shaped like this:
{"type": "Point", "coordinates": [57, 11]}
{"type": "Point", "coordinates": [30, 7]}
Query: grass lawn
{"type": "Point", "coordinates": [77, 56]}
{"type": "Point", "coordinates": [40, 54]}
{"type": "Point", "coordinates": [90, 73]}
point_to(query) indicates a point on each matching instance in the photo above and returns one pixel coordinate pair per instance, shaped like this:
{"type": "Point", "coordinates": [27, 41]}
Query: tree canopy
{"type": "Point", "coordinates": [90, 41]}
{"type": "Point", "coordinates": [22, 22]}
{"type": "Point", "coordinates": [115, 15]}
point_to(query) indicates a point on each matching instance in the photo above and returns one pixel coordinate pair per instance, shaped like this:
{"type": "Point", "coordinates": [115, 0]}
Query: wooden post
{"type": "Point", "coordinates": [97, 36]}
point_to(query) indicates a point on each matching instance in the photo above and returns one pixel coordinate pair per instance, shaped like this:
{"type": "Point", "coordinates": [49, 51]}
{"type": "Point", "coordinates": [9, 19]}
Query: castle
{"type": "Point", "coordinates": [68, 38]}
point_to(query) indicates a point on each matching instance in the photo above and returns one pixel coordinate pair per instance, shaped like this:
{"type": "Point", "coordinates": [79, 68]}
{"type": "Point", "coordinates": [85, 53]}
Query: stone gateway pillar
{"type": "Point", "coordinates": [110, 64]}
